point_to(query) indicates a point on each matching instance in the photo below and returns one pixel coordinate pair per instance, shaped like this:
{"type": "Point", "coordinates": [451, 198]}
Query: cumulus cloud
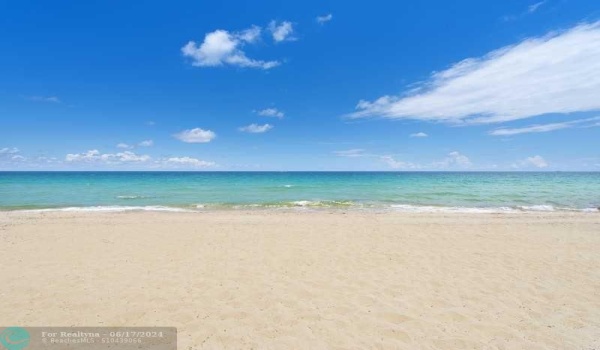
{"type": "Point", "coordinates": [556, 73]}
{"type": "Point", "coordinates": [256, 129]}
{"type": "Point", "coordinates": [324, 19]}
{"type": "Point", "coordinates": [535, 161]}
{"type": "Point", "coordinates": [222, 47]}
{"type": "Point", "coordinates": [146, 143]}
{"type": "Point", "coordinates": [545, 127]}
{"type": "Point", "coordinates": [396, 164]}
{"type": "Point", "coordinates": [454, 159]}
{"type": "Point", "coordinates": [419, 134]}
{"type": "Point", "coordinates": [196, 135]}
{"type": "Point", "coordinates": [282, 31]}
{"type": "Point", "coordinates": [93, 156]}
{"type": "Point", "coordinates": [271, 112]}
{"type": "Point", "coordinates": [188, 161]}
{"type": "Point", "coordinates": [356, 152]}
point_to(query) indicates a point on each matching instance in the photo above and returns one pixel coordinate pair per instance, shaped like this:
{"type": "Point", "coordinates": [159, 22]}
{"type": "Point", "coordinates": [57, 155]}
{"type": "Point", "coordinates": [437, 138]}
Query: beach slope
{"type": "Point", "coordinates": [310, 280]}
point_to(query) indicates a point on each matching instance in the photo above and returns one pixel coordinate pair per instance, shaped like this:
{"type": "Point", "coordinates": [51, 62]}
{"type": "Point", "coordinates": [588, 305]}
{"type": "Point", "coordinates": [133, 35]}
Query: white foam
{"type": "Point", "coordinates": [304, 203]}
{"type": "Point", "coordinates": [432, 209]}
{"type": "Point", "coordinates": [288, 186]}
{"type": "Point", "coordinates": [113, 208]}
{"type": "Point", "coordinates": [130, 197]}
{"type": "Point", "coordinates": [537, 208]}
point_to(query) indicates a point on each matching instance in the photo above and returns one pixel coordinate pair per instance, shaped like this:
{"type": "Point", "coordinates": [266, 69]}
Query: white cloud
{"type": "Point", "coordinates": [256, 129]}
{"type": "Point", "coordinates": [419, 134]}
{"type": "Point", "coordinates": [282, 31]}
{"type": "Point", "coordinates": [196, 135]}
{"type": "Point", "coordinates": [51, 99]}
{"type": "Point", "coordinates": [454, 159]}
{"type": "Point", "coordinates": [18, 158]}
{"type": "Point", "coordinates": [356, 152]}
{"type": "Point", "coordinates": [7, 150]}
{"type": "Point", "coordinates": [396, 164]}
{"type": "Point", "coordinates": [146, 143]}
{"type": "Point", "coordinates": [124, 146]}
{"type": "Point", "coordinates": [535, 161]}
{"type": "Point", "coordinates": [543, 127]}
{"type": "Point", "coordinates": [557, 73]}
{"type": "Point", "coordinates": [271, 112]}
{"type": "Point", "coordinates": [534, 7]}
{"type": "Point", "coordinates": [222, 47]}
{"type": "Point", "coordinates": [324, 19]}
{"type": "Point", "coordinates": [109, 158]}
{"type": "Point", "coordinates": [251, 34]}
{"type": "Point", "coordinates": [530, 9]}
{"type": "Point", "coordinates": [188, 161]}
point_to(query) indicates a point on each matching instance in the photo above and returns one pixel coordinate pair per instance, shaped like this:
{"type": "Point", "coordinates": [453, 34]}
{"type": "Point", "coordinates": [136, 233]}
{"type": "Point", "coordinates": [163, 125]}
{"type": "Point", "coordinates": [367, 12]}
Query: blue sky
{"type": "Point", "coordinates": [312, 85]}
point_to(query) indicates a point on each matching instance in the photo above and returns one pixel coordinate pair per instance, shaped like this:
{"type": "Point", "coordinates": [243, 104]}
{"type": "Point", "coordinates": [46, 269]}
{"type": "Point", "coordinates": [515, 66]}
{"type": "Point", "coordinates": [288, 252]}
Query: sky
{"type": "Point", "coordinates": [314, 85]}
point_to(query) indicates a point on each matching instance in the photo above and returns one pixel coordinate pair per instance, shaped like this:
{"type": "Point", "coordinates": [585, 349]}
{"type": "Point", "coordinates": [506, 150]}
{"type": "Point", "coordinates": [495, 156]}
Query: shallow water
{"type": "Point", "coordinates": [402, 191]}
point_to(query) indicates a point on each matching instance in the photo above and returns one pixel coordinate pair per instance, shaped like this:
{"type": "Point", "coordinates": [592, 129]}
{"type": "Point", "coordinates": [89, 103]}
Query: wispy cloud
{"type": "Point", "coordinates": [419, 134]}
{"type": "Point", "coordinates": [530, 10]}
{"type": "Point", "coordinates": [196, 135]}
{"type": "Point", "coordinates": [544, 127]}
{"type": "Point", "coordinates": [356, 152]}
{"type": "Point", "coordinates": [146, 143]}
{"type": "Point", "coordinates": [556, 73]}
{"type": "Point", "coordinates": [271, 112]}
{"type": "Point", "coordinates": [124, 146]}
{"type": "Point", "coordinates": [8, 150]}
{"type": "Point", "coordinates": [49, 99]}
{"type": "Point", "coordinates": [534, 7]}
{"type": "Point", "coordinates": [256, 129]}
{"type": "Point", "coordinates": [95, 156]}
{"type": "Point", "coordinates": [222, 47]}
{"type": "Point", "coordinates": [188, 161]}
{"type": "Point", "coordinates": [281, 31]}
{"type": "Point", "coordinates": [324, 19]}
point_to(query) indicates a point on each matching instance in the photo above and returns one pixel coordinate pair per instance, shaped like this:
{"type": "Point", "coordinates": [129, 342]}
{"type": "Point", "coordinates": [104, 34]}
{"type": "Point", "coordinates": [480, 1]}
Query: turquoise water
{"type": "Point", "coordinates": [403, 191]}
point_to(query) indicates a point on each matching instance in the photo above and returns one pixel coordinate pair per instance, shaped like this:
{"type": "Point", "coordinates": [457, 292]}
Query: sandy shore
{"type": "Point", "coordinates": [272, 280]}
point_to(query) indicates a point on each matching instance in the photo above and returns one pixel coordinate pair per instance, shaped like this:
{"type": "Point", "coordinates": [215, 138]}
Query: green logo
{"type": "Point", "coordinates": [14, 338]}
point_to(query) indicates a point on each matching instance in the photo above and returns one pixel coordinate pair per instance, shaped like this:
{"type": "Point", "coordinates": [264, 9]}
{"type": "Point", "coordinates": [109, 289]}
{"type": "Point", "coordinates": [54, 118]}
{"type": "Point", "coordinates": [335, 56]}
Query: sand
{"type": "Point", "coordinates": [310, 280]}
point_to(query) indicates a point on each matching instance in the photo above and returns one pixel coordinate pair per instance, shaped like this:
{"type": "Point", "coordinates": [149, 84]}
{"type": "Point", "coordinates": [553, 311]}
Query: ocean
{"type": "Point", "coordinates": [396, 191]}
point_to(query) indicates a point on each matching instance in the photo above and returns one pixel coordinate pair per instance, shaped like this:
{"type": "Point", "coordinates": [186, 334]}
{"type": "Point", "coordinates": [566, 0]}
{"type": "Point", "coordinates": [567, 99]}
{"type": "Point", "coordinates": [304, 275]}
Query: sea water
{"type": "Point", "coordinates": [399, 191]}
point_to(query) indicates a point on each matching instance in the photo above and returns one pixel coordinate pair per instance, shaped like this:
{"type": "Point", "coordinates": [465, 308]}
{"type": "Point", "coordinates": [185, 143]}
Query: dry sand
{"type": "Point", "coordinates": [310, 280]}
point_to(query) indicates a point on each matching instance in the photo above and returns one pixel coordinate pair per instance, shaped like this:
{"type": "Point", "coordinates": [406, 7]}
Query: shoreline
{"type": "Point", "coordinates": [308, 206]}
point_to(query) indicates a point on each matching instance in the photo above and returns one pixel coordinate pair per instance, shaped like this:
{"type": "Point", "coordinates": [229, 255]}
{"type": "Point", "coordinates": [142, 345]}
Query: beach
{"type": "Point", "coordinates": [279, 279]}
